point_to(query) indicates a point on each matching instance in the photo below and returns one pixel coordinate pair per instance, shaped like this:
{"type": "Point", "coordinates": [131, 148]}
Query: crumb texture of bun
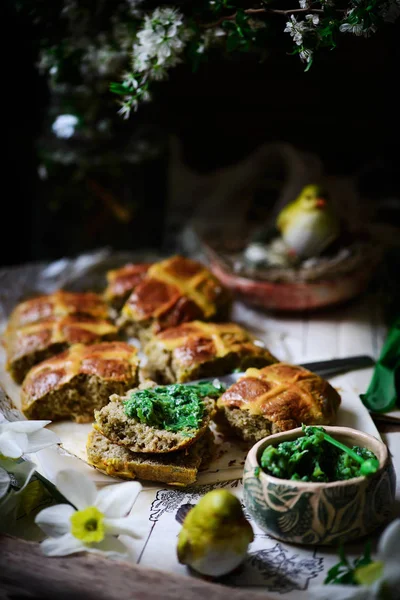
{"type": "Point", "coordinates": [174, 468]}
{"type": "Point", "coordinates": [72, 384]}
{"type": "Point", "coordinates": [113, 423]}
{"type": "Point", "coordinates": [201, 349]}
{"type": "Point", "coordinates": [277, 398]}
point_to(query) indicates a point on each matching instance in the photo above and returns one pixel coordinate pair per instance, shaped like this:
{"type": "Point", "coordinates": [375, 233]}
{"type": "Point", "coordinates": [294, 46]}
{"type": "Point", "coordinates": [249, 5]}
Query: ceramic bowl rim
{"type": "Point", "coordinates": [252, 455]}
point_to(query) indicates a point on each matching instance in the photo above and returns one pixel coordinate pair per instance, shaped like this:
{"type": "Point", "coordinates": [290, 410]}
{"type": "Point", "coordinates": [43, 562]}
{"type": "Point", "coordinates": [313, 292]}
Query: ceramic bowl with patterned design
{"type": "Point", "coordinates": [302, 512]}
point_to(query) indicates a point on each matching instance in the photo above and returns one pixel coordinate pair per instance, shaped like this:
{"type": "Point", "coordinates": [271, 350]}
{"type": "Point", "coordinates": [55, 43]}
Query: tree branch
{"type": "Point", "coordinates": [265, 11]}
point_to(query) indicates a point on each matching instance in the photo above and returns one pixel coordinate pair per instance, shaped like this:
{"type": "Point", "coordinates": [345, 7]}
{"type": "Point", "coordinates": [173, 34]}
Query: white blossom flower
{"type": "Point", "coordinates": [24, 437]}
{"type": "Point", "coordinates": [64, 126]}
{"type": "Point", "coordinates": [306, 55]}
{"type": "Point", "coordinates": [295, 29]}
{"type": "Point", "coordinates": [125, 110]}
{"type": "Point", "coordinates": [161, 41]}
{"type": "Point", "coordinates": [351, 27]}
{"type": "Point", "coordinates": [357, 28]}
{"type": "Point", "coordinates": [93, 521]}
{"type": "Point", "coordinates": [312, 19]}
{"type": "Point", "coordinates": [380, 579]}
{"type": "Point", "coordinates": [129, 81]}
{"type": "Point", "coordinates": [304, 3]}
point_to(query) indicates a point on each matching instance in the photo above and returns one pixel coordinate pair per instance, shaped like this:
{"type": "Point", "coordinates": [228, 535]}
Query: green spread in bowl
{"type": "Point", "coordinates": [316, 456]}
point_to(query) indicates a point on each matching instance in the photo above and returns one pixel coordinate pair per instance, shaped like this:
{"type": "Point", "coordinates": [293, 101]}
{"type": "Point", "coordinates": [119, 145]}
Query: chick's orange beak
{"type": "Point", "coordinates": [320, 203]}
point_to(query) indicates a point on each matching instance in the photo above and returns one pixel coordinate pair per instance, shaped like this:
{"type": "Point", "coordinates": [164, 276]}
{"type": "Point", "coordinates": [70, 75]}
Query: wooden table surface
{"type": "Point", "coordinates": [26, 573]}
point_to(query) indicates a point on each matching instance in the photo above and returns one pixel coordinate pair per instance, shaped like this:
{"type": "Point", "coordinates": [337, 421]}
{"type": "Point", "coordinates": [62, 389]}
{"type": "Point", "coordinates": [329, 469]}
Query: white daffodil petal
{"type": "Point", "coordinates": [78, 489]}
{"type": "Point", "coordinates": [124, 526]}
{"type": "Point", "coordinates": [22, 471]}
{"type": "Point", "coordinates": [111, 546]}
{"type": "Point", "coordinates": [388, 546]}
{"type": "Point", "coordinates": [4, 482]}
{"type": "Point", "coordinates": [41, 439]}
{"type": "Point", "coordinates": [391, 575]}
{"type": "Point", "coordinates": [12, 445]}
{"type": "Point", "coordinates": [61, 546]}
{"type": "Point", "coordinates": [55, 520]}
{"type": "Point", "coordinates": [116, 500]}
{"type": "Point", "coordinates": [25, 426]}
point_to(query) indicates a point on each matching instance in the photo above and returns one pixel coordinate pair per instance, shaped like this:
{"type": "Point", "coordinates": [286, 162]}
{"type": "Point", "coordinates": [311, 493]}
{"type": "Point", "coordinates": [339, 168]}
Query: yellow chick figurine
{"type": "Point", "coordinates": [308, 224]}
{"type": "Point", "coordinates": [215, 535]}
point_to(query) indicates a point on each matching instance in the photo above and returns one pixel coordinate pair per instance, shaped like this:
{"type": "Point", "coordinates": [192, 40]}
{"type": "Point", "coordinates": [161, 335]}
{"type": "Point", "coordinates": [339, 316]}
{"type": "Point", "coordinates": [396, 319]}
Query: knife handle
{"type": "Point", "coordinates": [339, 365]}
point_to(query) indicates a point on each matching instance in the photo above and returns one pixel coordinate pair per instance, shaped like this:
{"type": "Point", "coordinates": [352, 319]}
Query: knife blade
{"type": "Point", "coordinates": [323, 368]}
{"type": "Point", "coordinates": [328, 368]}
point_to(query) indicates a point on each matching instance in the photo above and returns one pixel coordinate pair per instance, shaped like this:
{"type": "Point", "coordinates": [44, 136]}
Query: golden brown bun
{"type": "Point", "coordinates": [30, 344]}
{"type": "Point", "coordinates": [200, 349]}
{"type": "Point", "coordinates": [74, 383]}
{"type": "Point", "coordinates": [277, 398]}
{"type": "Point", "coordinates": [174, 291]}
{"type": "Point", "coordinates": [58, 304]}
{"type": "Point", "coordinates": [121, 282]}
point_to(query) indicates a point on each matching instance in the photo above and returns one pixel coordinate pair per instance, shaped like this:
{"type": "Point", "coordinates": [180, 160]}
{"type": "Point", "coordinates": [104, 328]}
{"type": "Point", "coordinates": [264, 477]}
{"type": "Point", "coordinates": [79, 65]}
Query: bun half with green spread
{"type": "Point", "coordinates": [174, 468]}
{"type": "Point", "coordinates": [158, 419]}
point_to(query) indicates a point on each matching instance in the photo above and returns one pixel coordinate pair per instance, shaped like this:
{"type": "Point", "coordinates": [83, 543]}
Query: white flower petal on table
{"type": "Point", "coordinates": [79, 490]}
{"type": "Point", "coordinates": [22, 471]}
{"type": "Point", "coordinates": [123, 526]}
{"type": "Point", "coordinates": [41, 439]}
{"type": "Point", "coordinates": [4, 482]}
{"type": "Point", "coordinates": [23, 426]}
{"type": "Point", "coordinates": [389, 546]}
{"type": "Point", "coordinates": [62, 546]}
{"type": "Point", "coordinates": [116, 500]}
{"type": "Point", "coordinates": [110, 546]}
{"type": "Point", "coordinates": [55, 520]}
{"type": "Point", "coordinates": [12, 444]}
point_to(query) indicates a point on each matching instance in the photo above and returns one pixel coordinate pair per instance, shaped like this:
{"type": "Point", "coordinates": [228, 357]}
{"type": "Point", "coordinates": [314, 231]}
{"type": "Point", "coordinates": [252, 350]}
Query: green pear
{"type": "Point", "coordinates": [215, 535]}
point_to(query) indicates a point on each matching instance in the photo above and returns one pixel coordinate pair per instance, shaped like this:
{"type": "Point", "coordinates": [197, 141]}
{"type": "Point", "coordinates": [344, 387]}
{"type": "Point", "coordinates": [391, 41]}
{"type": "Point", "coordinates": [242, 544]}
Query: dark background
{"type": "Point", "coordinates": [345, 109]}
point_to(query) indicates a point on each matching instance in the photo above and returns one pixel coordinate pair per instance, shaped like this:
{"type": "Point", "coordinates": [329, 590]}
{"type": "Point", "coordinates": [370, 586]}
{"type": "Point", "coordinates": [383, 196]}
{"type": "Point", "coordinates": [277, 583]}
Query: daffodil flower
{"type": "Point", "coordinates": [380, 580]}
{"type": "Point", "coordinates": [25, 437]}
{"type": "Point", "coordinates": [93, 519]}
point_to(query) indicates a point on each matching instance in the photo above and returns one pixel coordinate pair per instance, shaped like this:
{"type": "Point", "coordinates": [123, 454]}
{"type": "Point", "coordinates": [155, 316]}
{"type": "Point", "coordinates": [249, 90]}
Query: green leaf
{"type": "Point", "coordinates": [118, 88]}
{"type": "Point", "coordinates": [309, 65]}
{"type": "Point", "coordinates": [344, 572]}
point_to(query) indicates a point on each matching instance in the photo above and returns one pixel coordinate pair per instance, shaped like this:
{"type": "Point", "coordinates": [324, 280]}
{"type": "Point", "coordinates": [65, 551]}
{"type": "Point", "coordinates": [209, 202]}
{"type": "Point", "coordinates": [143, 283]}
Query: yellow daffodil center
{"type": "Point", "coordinates": [88, 525]}
{"type": "Point", "coordinates": [369, 573]}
